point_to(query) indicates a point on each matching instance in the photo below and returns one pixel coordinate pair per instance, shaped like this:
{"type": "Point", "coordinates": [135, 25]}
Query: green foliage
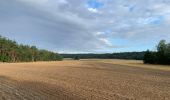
{"type": "Point", "coordinates": [10, 51]}
{"type": "Point", "coordinates": [4, 58]}
{"type": "Point", "coordinates": [162, 56]}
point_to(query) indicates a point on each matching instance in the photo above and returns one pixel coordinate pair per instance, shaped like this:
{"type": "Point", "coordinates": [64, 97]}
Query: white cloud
{"type": "Point", "coordinates": [93, 10]}
{"type": "Point", "coordinates": [106, 41]}
{"type": "Point", "coordinates": [100, 33]}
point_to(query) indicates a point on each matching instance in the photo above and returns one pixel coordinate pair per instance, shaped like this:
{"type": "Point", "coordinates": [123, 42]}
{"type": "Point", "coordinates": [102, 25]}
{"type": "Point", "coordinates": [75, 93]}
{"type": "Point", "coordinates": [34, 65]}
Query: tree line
{"type": "Point", "coordinates": [10, 51]}
{"type": "Point", "coordinates": [161, 56]}
{"type": "Point", "coordinates": [123, 55]}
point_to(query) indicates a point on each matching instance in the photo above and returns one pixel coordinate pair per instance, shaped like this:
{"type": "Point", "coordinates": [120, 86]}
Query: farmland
{"type": "Point", "coordinates": [84, 79]}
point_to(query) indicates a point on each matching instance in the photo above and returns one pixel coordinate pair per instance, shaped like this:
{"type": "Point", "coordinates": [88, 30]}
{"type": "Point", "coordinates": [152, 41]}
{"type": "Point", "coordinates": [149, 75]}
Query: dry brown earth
{"type": "Point", "coordinates": [84, 80]}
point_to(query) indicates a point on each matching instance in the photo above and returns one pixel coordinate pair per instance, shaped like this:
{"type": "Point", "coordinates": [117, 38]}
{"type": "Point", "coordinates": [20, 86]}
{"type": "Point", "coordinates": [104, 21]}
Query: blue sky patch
{"type": "Point", "coordinates": [157, 20]}
{"type": "Point", "coordinates": [95, 4]}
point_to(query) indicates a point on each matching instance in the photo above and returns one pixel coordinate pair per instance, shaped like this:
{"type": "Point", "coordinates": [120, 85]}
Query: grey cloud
{"type": "Point", "coordinates": [57, 30]}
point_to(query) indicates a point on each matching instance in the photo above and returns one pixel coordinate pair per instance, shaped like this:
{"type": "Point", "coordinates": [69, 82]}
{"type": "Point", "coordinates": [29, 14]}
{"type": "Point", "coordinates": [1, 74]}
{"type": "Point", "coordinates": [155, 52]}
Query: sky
{"type": "Point", "coordinates": [86, 26]}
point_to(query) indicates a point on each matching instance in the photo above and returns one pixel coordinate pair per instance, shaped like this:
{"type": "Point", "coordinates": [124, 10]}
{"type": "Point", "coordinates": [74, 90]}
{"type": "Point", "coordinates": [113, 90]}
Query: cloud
{"type": "Point", "coordinates": [85, 25]}
{"type": "Point", "coordinates": [93, 10]}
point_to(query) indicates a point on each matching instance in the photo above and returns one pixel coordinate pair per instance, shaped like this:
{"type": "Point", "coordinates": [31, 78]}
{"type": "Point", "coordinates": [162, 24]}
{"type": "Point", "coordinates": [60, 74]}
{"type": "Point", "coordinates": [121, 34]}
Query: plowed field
{"type": "Point", "coordinates": [84, 80]}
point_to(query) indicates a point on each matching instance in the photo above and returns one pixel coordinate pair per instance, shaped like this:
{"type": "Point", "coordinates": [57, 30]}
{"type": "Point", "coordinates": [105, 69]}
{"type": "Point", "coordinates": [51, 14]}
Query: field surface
{"type": "Point", "coordinates": [84, 80]}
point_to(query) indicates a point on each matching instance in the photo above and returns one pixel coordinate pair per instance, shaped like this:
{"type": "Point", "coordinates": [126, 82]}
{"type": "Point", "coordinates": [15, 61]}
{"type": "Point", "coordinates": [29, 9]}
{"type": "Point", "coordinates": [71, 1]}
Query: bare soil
{"type": "Point", "coordinates": [84, 80]}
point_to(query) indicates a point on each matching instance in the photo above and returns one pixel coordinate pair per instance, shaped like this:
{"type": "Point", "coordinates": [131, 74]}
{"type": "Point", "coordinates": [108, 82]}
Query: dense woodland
{"type": "Point", "coordinates": [123, 55]}
{"type": "Point", "coordinates": [161, 56]}
{"type": "Point", "coordinates": [10, 51]}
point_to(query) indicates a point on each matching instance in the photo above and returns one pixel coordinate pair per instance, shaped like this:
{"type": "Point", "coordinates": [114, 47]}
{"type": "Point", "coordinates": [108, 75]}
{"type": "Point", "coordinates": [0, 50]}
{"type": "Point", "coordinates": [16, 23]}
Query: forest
{"type": "Point", "coordinates": [161, 56]}
{"type": "Point", "coordinates": [10, 51]}
{"type": "Point", "coordinates": [122, 55]}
